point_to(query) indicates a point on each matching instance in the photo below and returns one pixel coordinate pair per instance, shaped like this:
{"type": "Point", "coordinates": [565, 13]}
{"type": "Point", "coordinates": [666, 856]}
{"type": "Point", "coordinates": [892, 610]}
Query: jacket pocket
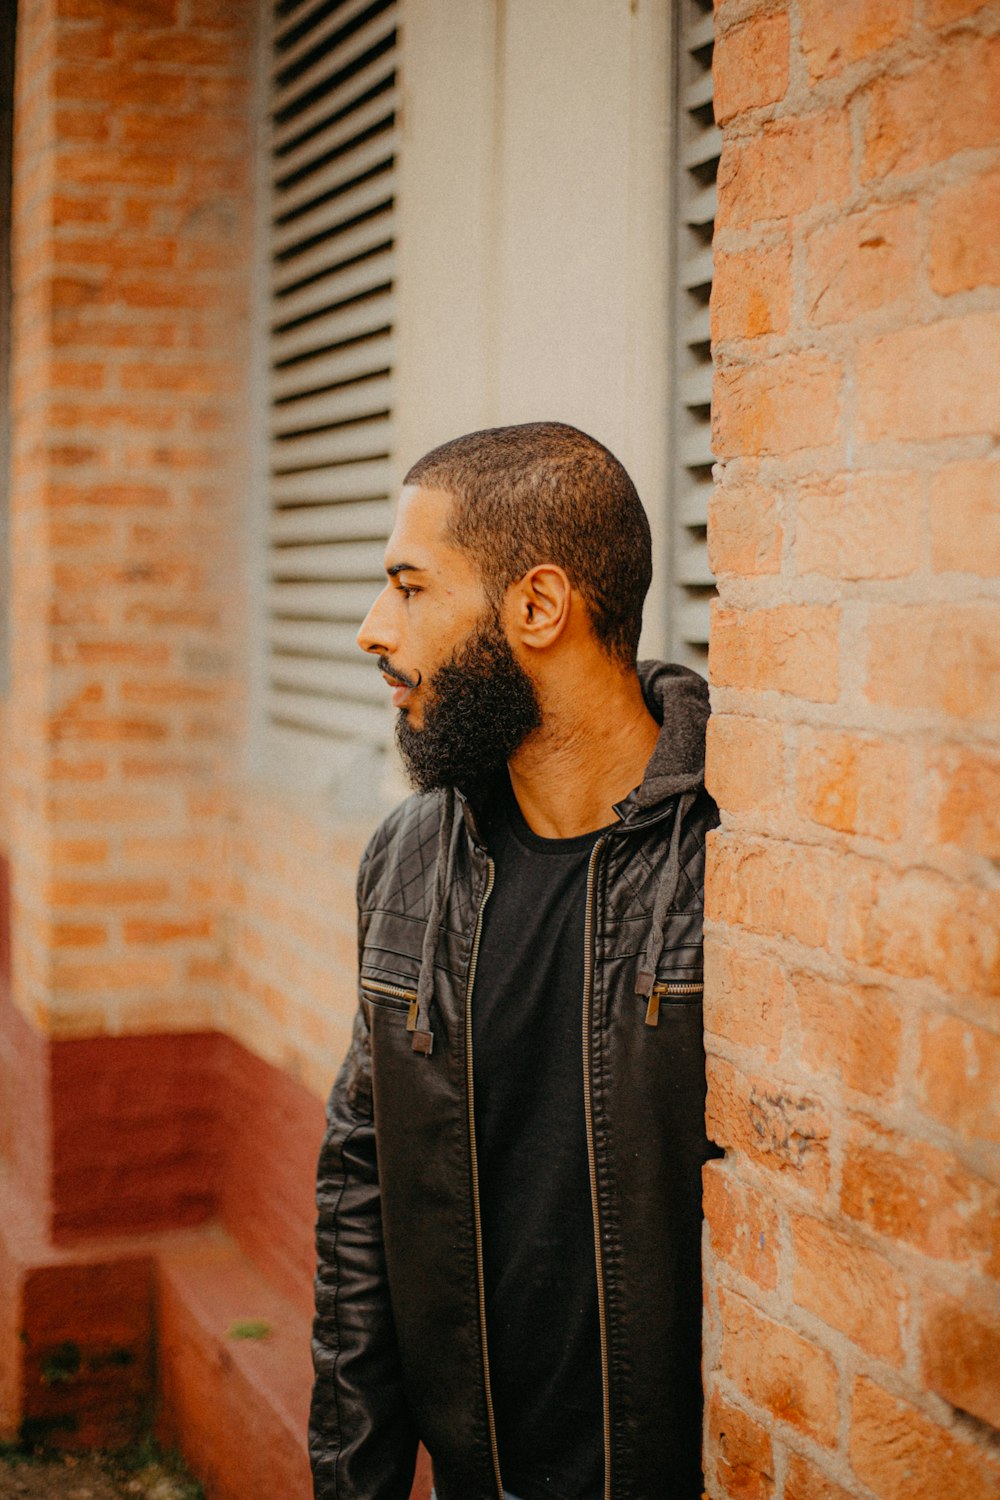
{"type": "Point", "coordinates": [680, 992]}
{"type": "Point", "coordinates": [391, 997]}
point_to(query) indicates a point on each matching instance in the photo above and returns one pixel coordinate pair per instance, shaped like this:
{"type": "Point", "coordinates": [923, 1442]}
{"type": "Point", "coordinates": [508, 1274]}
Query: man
{"type": "Point", "coordinates": [509, 1188]}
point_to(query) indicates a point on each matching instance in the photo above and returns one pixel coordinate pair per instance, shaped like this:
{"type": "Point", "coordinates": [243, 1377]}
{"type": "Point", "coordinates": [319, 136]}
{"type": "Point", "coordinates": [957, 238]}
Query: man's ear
{"type": "Point", "coordinates": [537, 607]}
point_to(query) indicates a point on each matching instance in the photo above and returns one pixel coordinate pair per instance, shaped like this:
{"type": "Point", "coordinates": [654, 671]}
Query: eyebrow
{"type": "Point", "coordinates": [402, 567]}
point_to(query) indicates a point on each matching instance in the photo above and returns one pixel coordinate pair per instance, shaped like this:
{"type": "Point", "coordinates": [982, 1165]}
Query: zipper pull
{"type": "Point", "coordinates": [653, 1008]}
{"type": "Point", "coordinates": [411, 1015]}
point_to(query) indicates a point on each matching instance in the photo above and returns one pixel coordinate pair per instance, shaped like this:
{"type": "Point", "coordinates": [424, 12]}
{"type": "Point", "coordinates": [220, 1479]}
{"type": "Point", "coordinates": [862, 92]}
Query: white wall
{"type": "Point", "coordinates": [533, 235]}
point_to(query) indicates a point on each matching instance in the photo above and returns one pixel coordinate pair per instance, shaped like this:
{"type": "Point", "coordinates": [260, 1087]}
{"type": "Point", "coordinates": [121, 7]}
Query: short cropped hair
{"type": "Point", "coordinates": [544, 492]}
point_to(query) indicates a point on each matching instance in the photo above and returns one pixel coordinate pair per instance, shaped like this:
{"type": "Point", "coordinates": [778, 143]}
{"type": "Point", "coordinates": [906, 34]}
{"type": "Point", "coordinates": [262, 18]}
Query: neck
{"type": "Point", "coordinates": [591, 750]}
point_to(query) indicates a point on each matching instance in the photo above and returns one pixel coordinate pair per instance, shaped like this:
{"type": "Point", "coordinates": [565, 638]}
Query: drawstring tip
{"type": "Point", "coordinates": [423, 1041]}
{"type": "Point", "coordinates": [644, 982]}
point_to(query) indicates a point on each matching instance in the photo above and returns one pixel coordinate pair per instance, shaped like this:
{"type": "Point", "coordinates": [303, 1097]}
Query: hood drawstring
{"type": "Point", "coordinates": [646, 977]}
{"type": "Point", "coordinates": [419, 1021]}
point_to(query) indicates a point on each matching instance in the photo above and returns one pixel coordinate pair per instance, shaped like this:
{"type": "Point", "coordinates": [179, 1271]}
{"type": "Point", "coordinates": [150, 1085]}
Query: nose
{"type": "Point", "coordinates": [375, 634]}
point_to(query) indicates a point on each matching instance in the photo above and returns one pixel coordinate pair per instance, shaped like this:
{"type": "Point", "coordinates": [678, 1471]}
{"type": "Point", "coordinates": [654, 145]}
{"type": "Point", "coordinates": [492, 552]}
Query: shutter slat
{"type": "Point", "coordinates": [367, 520]}
{"type": "Point", "coordinates": [328, 219]}
{"type": "Point", "coordinates": [320, 77]}
{"type": "Point", "coordinates": [332, 406]}
{"type": "Point", "coordinates": [353, 682]}
{"type": "Point", "coordinates": [298, 638]}
{"type": "Point", "coordinates": [325, 449]}
{"type": "Point", "coordinates": [376, 351]}
{"type": "Point", "coordinates": [288, 53]}
{"type": "Point", "coordinates": [315, 148]}
{"type": "Point", "coordinates": [374, 270]}
{"type": "Point", "coordinates": [347, 603]}
{"type": "Point", "coordinates": [290, 135]}
{"type": "Point", "coordinates": [310, 342]}
{"type": "Point", "coordinates": [364, 480]}
{"type": "Point", "coordinates": [350, 722]}
{"type": "Point", "coordinates": [337, 562]}
{"type": "Point", "coordinates": [322, 259]}
{"type": "Point", "coordinates": [291, 204]}
{"type": "Point", "coordinates": [694, 209]}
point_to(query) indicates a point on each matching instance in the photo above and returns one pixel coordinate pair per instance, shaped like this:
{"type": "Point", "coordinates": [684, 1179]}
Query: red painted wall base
{"type": "Point", "coordinates": [156, 1194]}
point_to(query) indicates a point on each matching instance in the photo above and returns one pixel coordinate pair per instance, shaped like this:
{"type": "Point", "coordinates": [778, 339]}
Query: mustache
{"type": "Point", "coordinates": [386, 666]}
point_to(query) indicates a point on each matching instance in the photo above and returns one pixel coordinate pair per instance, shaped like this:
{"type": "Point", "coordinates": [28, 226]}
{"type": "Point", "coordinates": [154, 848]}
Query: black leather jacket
{"type": "Point", "coordinates": [399, 1335]}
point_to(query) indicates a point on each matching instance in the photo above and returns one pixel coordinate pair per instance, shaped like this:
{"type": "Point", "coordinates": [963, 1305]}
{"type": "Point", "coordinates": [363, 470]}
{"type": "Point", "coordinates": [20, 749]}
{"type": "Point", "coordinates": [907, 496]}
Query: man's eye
{"type": "Point", "coordinates": [407, 590]}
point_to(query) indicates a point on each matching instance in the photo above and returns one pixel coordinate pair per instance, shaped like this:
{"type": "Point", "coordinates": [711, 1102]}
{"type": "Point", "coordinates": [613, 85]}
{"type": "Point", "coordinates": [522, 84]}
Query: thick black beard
{"type": "Point", "coordinates": [483, 708]}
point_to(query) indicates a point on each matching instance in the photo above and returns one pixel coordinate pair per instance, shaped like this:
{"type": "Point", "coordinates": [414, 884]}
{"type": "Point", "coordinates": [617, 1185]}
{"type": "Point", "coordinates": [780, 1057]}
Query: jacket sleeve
{"type": "Point", "coordinates": [362, 1444]}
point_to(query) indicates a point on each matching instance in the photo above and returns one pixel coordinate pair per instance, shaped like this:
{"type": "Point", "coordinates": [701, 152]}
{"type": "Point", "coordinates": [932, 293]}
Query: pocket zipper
{"type": "Point", "coordinates": [665, 990]}
{"type": "Point", "coordinates": [395, 992]}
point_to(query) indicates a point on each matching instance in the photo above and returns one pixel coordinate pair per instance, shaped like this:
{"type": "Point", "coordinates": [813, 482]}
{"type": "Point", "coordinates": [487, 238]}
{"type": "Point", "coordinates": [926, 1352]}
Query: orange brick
{"type": "Point", "coordinates": [804, 1482]}
{"type": "Point", "coordinates": [137, 931]}
{"type": "Point", "coordinates": [965, 246]}
{"type": "Point", "coordinates": [776, 406]}
{"type": "Point", "coordinates": [921, 925]}
{"type": "Point", "coordinates": [779, 1370]}
{"type": "Point", "coordinates": [863, 261]}
{"type": "Point", "coordinates": [865, 525]}
{"type": "Point", "coordinates": [788, 166]}
{"type": "Point", "coordinates": [965, 519]}
{"type": "Point", "coordinates": [751, 293]}
{"type": "Point", "coordinates": [744, 762]}
{"type": "Point", "coordinates": [902, 1455]}
{"type": "Point", "coordinates": [834, 36]}
{"type": "Point", "coordinates": [777, 1125]}
{"type": "Point", "coordinates": [176, 47]}
{"type": "Point", "coordinates": [115, 12]}
{"type": "Point", "coordinates": [852, 1030]}
{"type": "Point", "coordinates": [750, 66]}
{"type": "Point", "coordinates": [959, 1079]}
{"type": "Point", "coordinates": [959, 1343]}
{"type": "Point", "coordinates": [792, 648]}
{"type": "Point", "coordinates": [966, 790]}
{"type": "Point", "coordinates": [770, 886]}
{"type": "Point", "coordinates": [114, 494]}
{"type": "Point", "coordinates": [908, 1191]}
{"type": "Point", "coordinates": [107, 893]}
{"type": "Point", "coordinates": [78, 935]}
{"type": "Point", "coordinates": [742, 1224]}
{"type": "Point", "coordinates": [950, 104]}
{"type": "Point", "coordinates": [941, 658]}
{"type": "Point", "coordinates": [931, 381]}
{"type": "Point", "coordinates": [79, 851]}
{"type": "Point", "coordinates": [849, 1287]}
{"type": "Point", "coordinates": [744, 534]}
{"type": "Point", "coordinates": [942, 12]}
{"type": "Point", "coordinates": [744, 997]}
{"type": "Point", "coordinates": [851, 783]}
{"type": "Point", "coordinates": [742, 1451]}
{"type": "Point", "coordinates": [112, 975]}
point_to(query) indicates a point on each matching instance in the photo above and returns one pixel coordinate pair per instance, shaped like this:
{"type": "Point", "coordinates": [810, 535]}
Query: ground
{"type": "Point", "coordinates": [140, 1474]}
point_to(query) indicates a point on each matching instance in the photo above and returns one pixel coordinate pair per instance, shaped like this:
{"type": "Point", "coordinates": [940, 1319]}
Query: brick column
{"type": "Point", "coordinates": [853, 1310]}
{"type": "Point", "coordinates": [132, 168]}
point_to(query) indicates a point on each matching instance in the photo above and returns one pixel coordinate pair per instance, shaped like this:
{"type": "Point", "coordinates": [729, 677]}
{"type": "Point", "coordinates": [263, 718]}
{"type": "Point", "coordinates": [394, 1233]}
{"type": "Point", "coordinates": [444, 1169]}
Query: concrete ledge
{"type": "Point", "coordinates": [236, 1407]}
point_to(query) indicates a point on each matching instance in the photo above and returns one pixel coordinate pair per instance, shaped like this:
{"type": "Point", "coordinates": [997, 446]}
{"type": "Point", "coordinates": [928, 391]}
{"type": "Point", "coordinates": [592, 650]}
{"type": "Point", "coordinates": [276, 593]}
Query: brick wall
{"type": "Point", "coordinates": [852, 955]}
{"type": "Point", "coordinates": [131, 272]}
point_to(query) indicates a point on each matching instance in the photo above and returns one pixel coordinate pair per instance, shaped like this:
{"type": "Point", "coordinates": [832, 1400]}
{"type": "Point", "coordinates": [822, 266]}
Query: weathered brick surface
{"type": "Point", "coordinates": [853, 946]}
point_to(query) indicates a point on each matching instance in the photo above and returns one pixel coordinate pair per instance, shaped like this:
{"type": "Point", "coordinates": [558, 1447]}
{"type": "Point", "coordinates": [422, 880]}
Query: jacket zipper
{"type": "Point", "coordinates": [664, 990]}
{"type": "Point", "coordinates": [395, 992]}
{"type": "Point", "coordinates": [588, 1110]}
{"type": "Point", "coordinates": [477, 1222]}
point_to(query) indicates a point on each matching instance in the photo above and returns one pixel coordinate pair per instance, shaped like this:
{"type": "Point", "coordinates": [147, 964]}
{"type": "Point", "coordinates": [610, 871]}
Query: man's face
{"type": "Point", "coordinates": [465, 703]}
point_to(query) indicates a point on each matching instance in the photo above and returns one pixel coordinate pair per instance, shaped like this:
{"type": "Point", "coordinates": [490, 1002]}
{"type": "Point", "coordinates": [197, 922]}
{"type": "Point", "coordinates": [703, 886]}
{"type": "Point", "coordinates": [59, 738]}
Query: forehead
{"type": "Point", "coordinates": [419, 535]}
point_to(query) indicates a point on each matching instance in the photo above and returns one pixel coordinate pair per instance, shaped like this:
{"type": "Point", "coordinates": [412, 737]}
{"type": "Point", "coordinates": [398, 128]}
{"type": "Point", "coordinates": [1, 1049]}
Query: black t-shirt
{"type": "Point", "coordinates": [534, 1180]}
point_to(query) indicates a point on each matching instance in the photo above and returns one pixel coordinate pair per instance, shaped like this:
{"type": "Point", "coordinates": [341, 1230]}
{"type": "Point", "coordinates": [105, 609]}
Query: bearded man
{"type": "Point", "coordinates": [509, 1188]}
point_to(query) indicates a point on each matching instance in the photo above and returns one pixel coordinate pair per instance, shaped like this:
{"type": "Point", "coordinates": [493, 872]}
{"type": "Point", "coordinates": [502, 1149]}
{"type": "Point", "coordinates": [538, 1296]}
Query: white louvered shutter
{"type": "Point", "coordinates": [334, 98]}
{"type": "Point", "coordinates": [698, 144]}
